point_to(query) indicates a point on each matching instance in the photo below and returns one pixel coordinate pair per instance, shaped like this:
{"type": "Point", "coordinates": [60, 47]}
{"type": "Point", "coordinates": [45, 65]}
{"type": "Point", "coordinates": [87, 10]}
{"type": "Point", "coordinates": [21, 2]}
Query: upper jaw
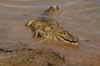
{"type": "Point", "coordinates": [68, 41]}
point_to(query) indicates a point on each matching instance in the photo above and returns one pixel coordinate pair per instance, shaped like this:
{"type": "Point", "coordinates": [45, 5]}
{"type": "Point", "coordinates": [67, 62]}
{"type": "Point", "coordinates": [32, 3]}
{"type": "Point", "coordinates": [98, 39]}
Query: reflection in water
{"type": "Point", "coordinates": [81, 17]}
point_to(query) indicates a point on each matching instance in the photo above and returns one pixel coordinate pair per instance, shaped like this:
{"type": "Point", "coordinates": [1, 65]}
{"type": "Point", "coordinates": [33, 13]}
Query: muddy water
{"type": "Point", "coordinates": [81, 18]}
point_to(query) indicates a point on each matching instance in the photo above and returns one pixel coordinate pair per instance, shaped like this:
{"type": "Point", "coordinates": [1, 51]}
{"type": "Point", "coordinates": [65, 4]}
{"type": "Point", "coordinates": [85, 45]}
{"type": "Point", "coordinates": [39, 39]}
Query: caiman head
{"type": "Point", "coordinates": [67, 37]}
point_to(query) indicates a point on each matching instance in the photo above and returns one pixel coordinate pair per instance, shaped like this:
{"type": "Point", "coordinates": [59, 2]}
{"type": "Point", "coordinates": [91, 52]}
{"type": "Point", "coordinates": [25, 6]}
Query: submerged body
{"type": "Point", "coordinates": [47, 27]}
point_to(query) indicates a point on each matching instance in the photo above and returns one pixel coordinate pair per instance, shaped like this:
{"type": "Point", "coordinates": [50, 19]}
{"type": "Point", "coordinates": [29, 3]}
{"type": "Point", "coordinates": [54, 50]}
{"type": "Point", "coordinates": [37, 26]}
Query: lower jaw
{"type": "Point", "coordinates": [70, 42]}
{"type": "Point", "coordinates": [67, 41]}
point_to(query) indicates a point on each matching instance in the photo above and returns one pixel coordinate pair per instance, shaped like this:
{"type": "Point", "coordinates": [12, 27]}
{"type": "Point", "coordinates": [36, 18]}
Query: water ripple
{"type": "Point", "coordinates": [18, 6]}
{"type": "Point", "coordinates": [22, 0]}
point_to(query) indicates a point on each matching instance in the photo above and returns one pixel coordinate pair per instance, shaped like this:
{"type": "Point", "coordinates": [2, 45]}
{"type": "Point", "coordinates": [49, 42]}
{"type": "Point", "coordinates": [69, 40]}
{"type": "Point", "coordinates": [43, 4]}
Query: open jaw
{"type": "Point", "coordinates": [67, 41]}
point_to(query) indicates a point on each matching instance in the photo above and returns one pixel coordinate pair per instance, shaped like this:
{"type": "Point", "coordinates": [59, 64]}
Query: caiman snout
{"type": "Point", "coordinates": [67, 37]}
{"type": "Point", "coordinates": [75, 41]}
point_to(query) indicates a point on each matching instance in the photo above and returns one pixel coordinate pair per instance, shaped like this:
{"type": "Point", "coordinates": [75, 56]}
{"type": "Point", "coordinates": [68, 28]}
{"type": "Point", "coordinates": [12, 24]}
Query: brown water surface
{"type": "Point", "coordinates": [80, 17]}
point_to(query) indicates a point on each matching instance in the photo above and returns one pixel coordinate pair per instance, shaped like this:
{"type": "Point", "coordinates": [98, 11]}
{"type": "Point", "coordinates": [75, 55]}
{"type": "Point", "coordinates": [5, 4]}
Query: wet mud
{"type": "Point", "coordinates": [40, 57]}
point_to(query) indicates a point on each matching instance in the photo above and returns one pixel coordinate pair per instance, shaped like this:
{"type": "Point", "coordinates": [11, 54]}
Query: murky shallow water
{"type": "Point", "coordinates": [81, 17]}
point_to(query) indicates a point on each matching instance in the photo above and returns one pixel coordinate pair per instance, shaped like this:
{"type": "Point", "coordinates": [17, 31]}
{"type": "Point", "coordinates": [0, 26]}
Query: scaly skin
{"type": "Point", "coordinates": [36, 25]}
{"type": "Point", "coordinates": [47, 27]}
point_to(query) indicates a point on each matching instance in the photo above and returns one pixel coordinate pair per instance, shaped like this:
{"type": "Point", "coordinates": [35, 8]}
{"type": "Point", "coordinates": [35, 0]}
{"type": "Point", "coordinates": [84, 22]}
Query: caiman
{"type": "Point", "coordinates": [45, 26]}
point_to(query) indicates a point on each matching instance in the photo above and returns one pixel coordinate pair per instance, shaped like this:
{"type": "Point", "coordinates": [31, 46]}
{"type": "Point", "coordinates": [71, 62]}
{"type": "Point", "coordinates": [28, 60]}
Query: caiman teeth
{"type": "Point", "coordinates": [68, 41]}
